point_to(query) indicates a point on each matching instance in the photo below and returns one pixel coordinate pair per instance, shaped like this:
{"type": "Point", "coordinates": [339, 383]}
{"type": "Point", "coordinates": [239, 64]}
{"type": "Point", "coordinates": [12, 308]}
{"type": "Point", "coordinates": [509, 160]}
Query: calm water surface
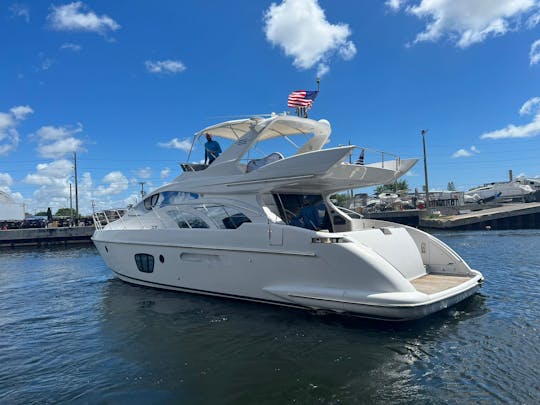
{"type": "Point", "coordinates": [72, 332]}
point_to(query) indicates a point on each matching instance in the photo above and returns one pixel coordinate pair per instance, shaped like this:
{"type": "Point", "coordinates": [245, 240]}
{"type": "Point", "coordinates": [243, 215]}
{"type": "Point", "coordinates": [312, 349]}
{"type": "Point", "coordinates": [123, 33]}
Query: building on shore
{"type": "Point", "coordinates": [9, 209]}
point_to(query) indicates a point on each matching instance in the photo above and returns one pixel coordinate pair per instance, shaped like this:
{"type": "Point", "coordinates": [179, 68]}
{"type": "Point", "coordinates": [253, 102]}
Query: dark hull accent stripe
{"type": "Point", "coordinates": [205, 292]}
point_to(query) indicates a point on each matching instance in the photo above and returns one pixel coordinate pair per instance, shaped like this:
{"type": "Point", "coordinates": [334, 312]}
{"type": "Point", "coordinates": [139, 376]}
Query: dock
{"type": "Point", "coordinates": [507, 216]}
{"type": "Point", "coordinates": [501, 216]}
{"type": "Point", "coordinates": [46, 236]}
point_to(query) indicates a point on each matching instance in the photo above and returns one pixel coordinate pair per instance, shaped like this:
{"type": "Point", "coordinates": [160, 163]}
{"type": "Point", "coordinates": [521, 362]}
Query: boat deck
{"type": "Point", "coordinates": [434, 283]}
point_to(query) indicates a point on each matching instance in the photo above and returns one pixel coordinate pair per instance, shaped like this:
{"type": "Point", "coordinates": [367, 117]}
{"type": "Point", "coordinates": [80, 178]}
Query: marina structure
{"type": "Point", "coordinates": [10, 210]}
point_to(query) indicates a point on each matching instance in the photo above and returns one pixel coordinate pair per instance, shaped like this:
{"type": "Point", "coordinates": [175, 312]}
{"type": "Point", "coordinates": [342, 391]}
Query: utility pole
{"type": "Point", "coordinates": [70, 206]}
{"type": "Point", "coordinates": [142, 189]}
{"type": "Point", "coordinates": [76, 190]}
{"type": "Point", "coordinates": [424, 132]}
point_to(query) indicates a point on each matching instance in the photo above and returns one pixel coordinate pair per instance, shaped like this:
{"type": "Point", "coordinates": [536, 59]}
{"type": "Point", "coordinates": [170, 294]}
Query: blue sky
{"type": "Point", "coordinates": [126, 83]}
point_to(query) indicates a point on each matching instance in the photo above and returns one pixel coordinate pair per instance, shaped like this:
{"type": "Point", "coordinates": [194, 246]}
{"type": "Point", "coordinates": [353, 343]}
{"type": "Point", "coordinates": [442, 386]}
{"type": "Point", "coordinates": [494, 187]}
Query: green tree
{"type": "Point", "coordinates": [341, 199]}
{"type": "Point", "coordinates": [41, 214]}
{"type": "Point", "coordinates": [65, 212]}
{"type": "Point", "coordinates": [400, 185]}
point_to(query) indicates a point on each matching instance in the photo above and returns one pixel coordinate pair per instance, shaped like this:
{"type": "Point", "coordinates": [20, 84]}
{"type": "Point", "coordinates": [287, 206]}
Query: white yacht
{"type": "Point", "coordinates": [266, 230]}
{"type": "Point", "coordinates": [502, 192]}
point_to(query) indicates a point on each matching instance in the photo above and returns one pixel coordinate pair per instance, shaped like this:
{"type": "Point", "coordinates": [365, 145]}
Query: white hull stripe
{"type": "Point", "coordinates": [234, 249]}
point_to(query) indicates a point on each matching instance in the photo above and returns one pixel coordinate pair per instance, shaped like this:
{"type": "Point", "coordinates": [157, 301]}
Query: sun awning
{"type": "Point", "coordinates": [268, 128]}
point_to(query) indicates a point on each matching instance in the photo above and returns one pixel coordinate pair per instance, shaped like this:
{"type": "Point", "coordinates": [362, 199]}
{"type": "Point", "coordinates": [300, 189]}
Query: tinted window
{"type": "Point", "coordinates": [303, 210]}
{"type": "Point", "coordinates": [187, 220]}
{"type": "Point", "coordinates": [145, 262]}
{"type": "Point", "coordinates": [225, 217]}
{"type": "Point", "coordinates": [175, 197]}
{"type": "Point", "coordinates": [163, 199]}
{"type": "Point", "coordinates": [151, 201]}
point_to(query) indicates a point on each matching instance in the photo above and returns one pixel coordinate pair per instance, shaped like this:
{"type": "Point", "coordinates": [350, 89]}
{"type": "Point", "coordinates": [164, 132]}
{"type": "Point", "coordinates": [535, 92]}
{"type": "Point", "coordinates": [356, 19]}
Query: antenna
{"type": "Point", "coordinates": [142, 189]}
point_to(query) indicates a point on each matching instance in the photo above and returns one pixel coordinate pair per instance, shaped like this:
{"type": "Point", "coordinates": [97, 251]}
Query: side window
{"type": "Point", "coordinates": [187, 220]}
{"type": "Point", "coordinates": [225, 217]}
{"type": "Point", "coordinates": [176, 197]}
{"type": "Point", "coordinates": [304, 210]}
{"type": "Point", "coordinates": [144, 262]}
{"type": "Point", "coordinates": [150, 202]}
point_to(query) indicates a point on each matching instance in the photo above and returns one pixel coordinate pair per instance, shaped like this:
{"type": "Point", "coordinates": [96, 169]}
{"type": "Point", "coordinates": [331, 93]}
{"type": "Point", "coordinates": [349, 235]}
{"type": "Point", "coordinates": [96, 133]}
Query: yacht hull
{"type": "Point", "coordinates": [346, 278]}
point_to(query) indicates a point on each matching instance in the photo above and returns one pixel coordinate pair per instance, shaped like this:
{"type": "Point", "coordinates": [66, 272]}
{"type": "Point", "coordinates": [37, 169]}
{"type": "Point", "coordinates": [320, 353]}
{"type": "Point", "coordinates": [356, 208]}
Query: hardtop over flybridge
{"type": "Point", "coordinates": [264, 229]}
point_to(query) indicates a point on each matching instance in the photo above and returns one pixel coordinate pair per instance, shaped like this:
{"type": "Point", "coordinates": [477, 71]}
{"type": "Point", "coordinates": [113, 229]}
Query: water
{"type": "Point", "coordinates": [72, 332]}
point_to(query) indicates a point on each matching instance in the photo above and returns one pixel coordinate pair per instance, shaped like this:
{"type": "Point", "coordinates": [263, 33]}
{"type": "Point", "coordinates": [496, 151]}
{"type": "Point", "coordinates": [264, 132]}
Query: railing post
{"type": "Point", "coordinates": [160, 220]}
{"type": "Point", "coordinates": [121, 219]}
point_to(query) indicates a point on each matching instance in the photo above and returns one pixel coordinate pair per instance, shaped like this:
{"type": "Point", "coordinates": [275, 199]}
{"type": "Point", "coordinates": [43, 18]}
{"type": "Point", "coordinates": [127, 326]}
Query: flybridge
{"type": "Point", "coordinates": [309, 167]}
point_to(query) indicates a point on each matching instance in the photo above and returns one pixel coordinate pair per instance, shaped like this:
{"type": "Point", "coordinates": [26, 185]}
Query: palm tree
{"type": "Point", "coordinates": [396, 187]}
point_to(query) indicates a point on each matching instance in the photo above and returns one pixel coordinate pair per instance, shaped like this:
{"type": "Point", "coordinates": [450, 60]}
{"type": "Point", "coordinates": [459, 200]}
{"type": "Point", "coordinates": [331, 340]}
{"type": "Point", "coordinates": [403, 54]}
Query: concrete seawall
{"type": "Point", "coordinates": [507, 216]}
{"type": "Point", "coordinates": [46, 236]}
{"type": "Point", "coordinates": [504, 216]}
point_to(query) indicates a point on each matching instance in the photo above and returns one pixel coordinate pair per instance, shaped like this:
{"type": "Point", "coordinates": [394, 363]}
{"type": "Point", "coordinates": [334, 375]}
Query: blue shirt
{"type": "Point", "coordinates": [211, 151]}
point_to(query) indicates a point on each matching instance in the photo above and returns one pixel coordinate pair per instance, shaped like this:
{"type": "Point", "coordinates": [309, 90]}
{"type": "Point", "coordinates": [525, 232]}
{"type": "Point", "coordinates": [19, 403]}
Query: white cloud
{"type": "Point", "coordinates": [467, 22]}
{"type": "Point", "coordinates": [300, 28]}
{"type": "Point", "coordinates": [322, 69]}
{"type": "Point", "coordinates": [60, 148]}
{"type": "Point", "coordinates": [144, 173]}
{"type": "Point", "coordinates": [165, 66]}
{"type": "Point", "coordinates": [411, 173]}
{"type": "Point", "coordinates": [6, 179]}
{"type": "Point", "coordinates": [46, 64]}
{"type": "Point", "coordinates": [164, 172]}
{"type": "Point", "coordinates": [175, 143]}
{"type": "Point", "coordinates": [465, 152]}
{"type": "Point", "coordinates": [21, 111]}
{"type": "Point", "coordinates": [394, 5]}
{"type": "Point", "coordinates": [50, 133]}
{"type": "Point", "coordinates": [20, 10]}
{"type": "Point", "coordinates": [56, 142]}
{"type": "Point", "coordinates": [116, 183]}
{"type": "Point", "coordinates": [75, 17]}
{"type": "Point", "coordinates": [53, 182]}
{"type": "Point", "coordinates": [50, 174]}
{"type": "Point", "coordinates": [9, 137]}
{"type": "Point", "coordinates": [530, 107]}
{"type": "Point", "coordinates": [71, 47]}
{"type": "Point", "coordinates": [534, 54]}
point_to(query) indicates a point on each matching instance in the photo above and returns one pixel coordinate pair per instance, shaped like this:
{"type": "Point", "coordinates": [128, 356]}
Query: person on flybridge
{"type": "Point", "coordinates": [212, 149]}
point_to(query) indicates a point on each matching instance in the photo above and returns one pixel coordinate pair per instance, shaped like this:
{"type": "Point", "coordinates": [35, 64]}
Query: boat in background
{"type": "Point", "coordinates": [265, 230]}
{"type": "Point", "coordinates": [509, 191]}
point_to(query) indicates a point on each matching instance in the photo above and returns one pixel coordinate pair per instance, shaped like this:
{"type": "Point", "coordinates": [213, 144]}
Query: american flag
{"type": "Point", "coordinates": [302, 98]}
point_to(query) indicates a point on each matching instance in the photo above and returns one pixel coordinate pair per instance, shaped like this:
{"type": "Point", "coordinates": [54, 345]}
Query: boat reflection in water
{"type": "Point", "coordinates": [266, 230]}
{"type": "Point", "coordinates": [174, 346]}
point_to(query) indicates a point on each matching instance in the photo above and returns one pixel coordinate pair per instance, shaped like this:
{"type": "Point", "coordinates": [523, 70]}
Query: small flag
{"type": "Point", "coordinates": [302, 98]}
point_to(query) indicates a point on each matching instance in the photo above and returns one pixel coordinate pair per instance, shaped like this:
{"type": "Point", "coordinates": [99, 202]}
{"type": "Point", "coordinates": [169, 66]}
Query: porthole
{"type": "Point", "coordinates": [161, 259]}
{"type": "Point", "coordinates": [145, 262]}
